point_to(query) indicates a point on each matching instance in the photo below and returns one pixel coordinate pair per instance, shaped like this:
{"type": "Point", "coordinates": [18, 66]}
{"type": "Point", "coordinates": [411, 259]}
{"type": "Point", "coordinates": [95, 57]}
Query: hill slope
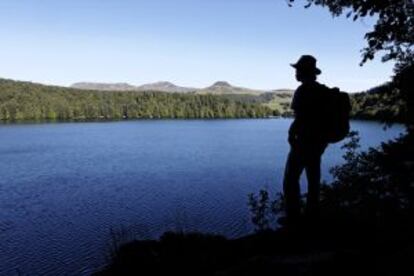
{"type": "Point", "coordinates": [30, 101]}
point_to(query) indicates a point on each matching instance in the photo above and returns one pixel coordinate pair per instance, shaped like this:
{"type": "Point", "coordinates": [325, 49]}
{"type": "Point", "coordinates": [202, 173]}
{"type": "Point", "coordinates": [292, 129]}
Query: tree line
{"type": "Point", "coordinates": [29, 101]}
{"type": "Point", "coordinates": [383, 103]}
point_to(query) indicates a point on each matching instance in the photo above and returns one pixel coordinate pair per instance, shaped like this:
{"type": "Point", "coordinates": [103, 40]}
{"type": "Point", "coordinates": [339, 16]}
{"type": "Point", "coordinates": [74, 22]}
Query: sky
{"type": "Point", "coordinates": [194, 43]}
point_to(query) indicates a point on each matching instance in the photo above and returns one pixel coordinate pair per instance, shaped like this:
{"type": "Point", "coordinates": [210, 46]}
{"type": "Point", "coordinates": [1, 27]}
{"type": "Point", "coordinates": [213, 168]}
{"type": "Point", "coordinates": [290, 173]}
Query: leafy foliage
{"type": "Point", "coordinates": [372, 188]}
{"type": "Point", "coordinates": [376, 185]}
{"type": "Point", "coordinates": [393, 32]}
{"type": "Point", "coordinates": [264, 211]}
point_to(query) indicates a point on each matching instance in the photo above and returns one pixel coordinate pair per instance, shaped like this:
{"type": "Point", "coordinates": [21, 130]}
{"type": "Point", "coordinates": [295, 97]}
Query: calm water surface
{"type": "Point", "coordinates": [63, 186]}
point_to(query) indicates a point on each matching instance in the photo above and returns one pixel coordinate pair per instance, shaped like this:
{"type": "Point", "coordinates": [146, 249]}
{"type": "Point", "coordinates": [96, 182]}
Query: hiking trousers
{"type": "Point", "coordinates": [303, 156]}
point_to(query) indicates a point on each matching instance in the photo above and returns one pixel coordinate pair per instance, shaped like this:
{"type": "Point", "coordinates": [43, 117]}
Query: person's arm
{"type": "Point", "coordinates": [295, 106]}
{"type": "Point", "coordinates": [293, 133]}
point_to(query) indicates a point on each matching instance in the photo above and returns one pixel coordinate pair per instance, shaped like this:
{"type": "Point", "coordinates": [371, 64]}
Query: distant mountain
{"type": "Point", "coordinates": [218, 88]}
{"type": "Point", "coordinates": [283, 91]}
{"type": "Point", "coordinates": [165, 86]}
{"type": "Point", "coordinates": [162, 86]}
{"type": "Point", "coordinates": [223, 87]}
{"type": "Point", "coordinates": [103, 86]}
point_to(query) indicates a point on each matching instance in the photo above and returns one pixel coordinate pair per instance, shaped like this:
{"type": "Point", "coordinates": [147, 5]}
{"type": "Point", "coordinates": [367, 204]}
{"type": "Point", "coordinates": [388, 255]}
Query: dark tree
{"type": "Point", "coordinates": [393, 32]}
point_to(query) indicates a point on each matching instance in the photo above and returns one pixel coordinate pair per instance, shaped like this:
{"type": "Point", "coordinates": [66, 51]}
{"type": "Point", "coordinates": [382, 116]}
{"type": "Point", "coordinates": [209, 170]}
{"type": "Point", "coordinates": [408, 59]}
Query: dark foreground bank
{"type": "Point", "coordinates": [365, 227]}
{"type": "Point", "coordinates": [331, 248]}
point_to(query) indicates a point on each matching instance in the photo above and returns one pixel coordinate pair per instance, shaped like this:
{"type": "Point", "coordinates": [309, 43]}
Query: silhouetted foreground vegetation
{"type": "Point", "coordinates": [326, 250]}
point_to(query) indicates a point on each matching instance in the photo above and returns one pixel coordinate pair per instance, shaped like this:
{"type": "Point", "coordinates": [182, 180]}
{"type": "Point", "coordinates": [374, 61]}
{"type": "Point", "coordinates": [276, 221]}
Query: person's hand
{"type": "Point", "coordinates": [292, 139]}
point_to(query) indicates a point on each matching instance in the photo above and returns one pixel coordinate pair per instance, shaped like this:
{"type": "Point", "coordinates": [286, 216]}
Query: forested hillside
{"type": "Point", "coordinates": [29, 101]}
{"type": "Point", "coordinates": [383, 103]}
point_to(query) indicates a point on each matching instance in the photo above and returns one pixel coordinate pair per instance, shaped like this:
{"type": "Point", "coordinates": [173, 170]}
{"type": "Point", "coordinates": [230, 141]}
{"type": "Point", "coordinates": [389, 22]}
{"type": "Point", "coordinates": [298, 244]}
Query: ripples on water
{"type": "Point", "coordinates": [64, 186]}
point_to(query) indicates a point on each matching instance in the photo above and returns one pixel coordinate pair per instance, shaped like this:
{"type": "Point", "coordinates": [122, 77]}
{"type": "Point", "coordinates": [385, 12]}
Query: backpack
{"type": "Point", "coordinates": [338, 108]}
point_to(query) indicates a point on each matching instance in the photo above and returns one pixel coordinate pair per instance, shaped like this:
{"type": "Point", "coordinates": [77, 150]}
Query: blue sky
{"type": "Point", "coordinates": [189, 42]}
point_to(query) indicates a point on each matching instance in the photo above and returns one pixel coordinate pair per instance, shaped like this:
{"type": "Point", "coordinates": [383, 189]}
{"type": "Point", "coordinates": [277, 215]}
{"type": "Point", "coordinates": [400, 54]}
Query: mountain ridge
{"type": "Point", "coordinates": [217, 88]}
{"type": "Point", "coordinates": [117, 86]}
{"type": "Point", "coordinates": [164, 86]}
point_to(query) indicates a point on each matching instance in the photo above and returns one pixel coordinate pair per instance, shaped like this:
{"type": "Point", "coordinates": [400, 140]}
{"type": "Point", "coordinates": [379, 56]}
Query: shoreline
{"type": "Point", "coordinates": [28, 122]}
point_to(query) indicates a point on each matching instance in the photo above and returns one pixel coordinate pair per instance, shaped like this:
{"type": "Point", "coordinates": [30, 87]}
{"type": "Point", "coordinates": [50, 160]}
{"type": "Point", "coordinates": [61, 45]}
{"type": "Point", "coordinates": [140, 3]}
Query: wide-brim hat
{"type": "Point", "coordinates": [307, 63]}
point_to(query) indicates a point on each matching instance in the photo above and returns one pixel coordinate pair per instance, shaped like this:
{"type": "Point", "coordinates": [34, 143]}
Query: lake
{"type": "Point", "coordinates": [64, 186]}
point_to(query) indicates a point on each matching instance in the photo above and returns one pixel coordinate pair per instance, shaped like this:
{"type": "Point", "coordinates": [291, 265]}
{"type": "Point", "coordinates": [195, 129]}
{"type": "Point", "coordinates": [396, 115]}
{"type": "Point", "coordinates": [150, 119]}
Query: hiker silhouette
{"type": "Point", "coordinates": [307, 139]}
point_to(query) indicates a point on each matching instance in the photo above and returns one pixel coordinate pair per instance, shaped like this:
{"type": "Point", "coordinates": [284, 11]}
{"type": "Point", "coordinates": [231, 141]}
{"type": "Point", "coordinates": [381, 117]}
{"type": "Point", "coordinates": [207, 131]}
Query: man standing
{"type": "Point", "coordinates": [306, 139]}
